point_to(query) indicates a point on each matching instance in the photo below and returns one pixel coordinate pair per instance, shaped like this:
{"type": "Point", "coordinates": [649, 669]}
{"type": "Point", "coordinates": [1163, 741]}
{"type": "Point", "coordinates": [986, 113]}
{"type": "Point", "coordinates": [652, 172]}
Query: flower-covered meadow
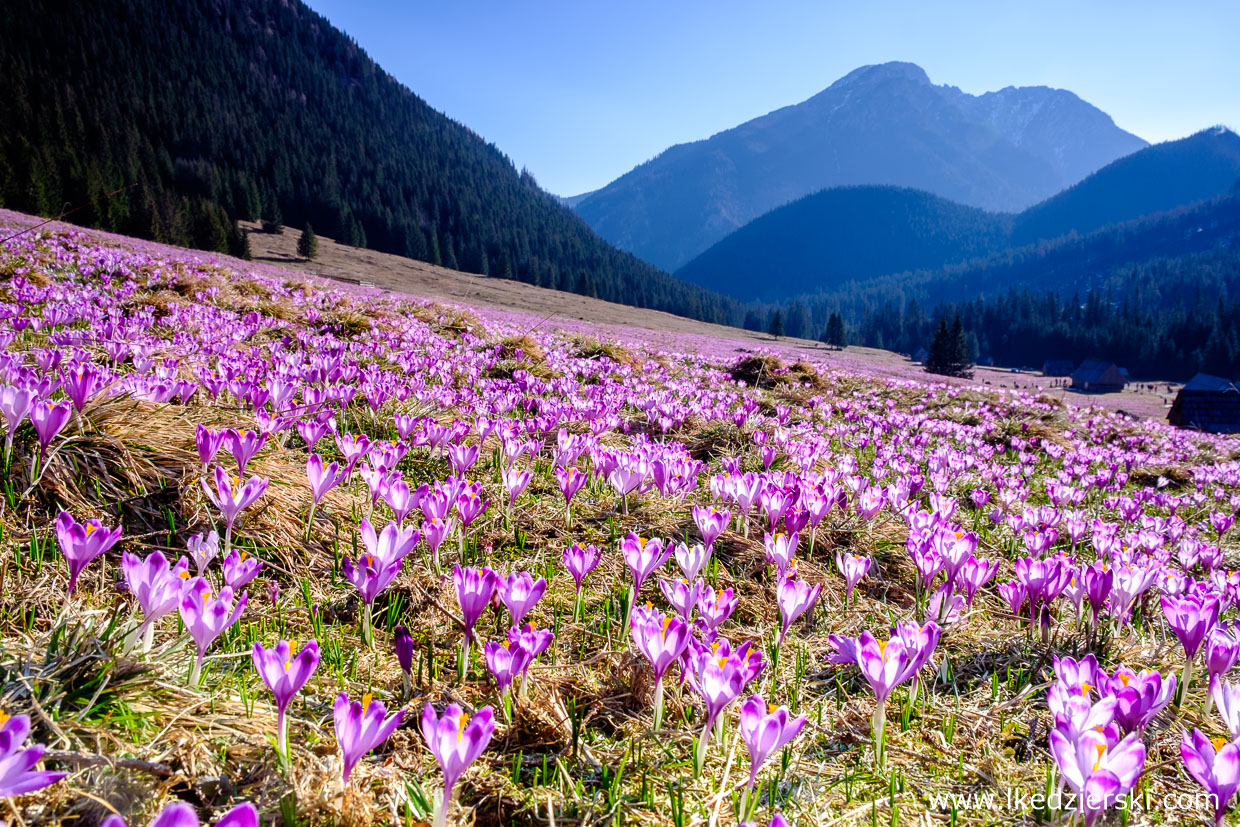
{"type": "Point", "coordinates": [276, 549]}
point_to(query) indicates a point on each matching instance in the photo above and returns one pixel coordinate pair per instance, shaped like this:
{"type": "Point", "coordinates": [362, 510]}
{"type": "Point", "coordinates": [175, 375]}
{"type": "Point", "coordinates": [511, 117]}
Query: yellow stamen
{"type": "Point", "coordinates": [366, 699]}
{"type": "Point", "coordinates": [1086, 687]}
{"type": "Point", "coordinates": [723, 662]}
{"type": "Point", "coordinates": [184, 575]}
{"type": "Point", "coordinates": [90, 527]}
{"type": "Point", "coordinates": [244, 555]}
{"type": "Point", "coordinates": [1102, 749]}
{"type": "Point", "coordinates": [4, 717]}
{"type": "Point", "coordinates": [770, 709]}
{"type": "Point", "coordinates": [1124, 679]}
{"type": "Point", "coordinates": [460, 733]}
{"type": "Point", "coordinates": [667, 621]}
{"type": "Point", "coordinates": [505, 644]}
{"type": "Point", "coordinates": [205, 597]}
{"type": "Point", "coordinates": [882, 648]}
{"type": "Point", "coordinates": [1219, 743]}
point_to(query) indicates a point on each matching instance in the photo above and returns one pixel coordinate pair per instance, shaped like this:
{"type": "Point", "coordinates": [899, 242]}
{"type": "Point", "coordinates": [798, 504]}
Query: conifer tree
{"type": "Point", "coordinates": [777, 324]}
{"type": "Point", "coordinates": [308, 243]}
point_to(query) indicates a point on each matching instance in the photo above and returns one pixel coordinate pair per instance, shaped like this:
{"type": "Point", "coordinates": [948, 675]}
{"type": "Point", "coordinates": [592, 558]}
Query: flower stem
{"type": "Point", "coordinates": [878, 725]}
{"type": "Point", "coordinates": [699, 756]}
{"type": "Point", "coordinates": [658, 704]}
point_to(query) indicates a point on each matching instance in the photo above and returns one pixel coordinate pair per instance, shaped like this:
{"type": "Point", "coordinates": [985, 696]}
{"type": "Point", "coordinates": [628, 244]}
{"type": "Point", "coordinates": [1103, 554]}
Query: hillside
{"type": "Point", "coordinates": [1158, 178]}
{"type": "Point", "coordinates": [843, 234]}
{"type": "Point", "coordinates": [884, 125]}
{"type": "Point", "coordinates": [170, 121]}
{"type": "Point", "coordinates": [819, 242]}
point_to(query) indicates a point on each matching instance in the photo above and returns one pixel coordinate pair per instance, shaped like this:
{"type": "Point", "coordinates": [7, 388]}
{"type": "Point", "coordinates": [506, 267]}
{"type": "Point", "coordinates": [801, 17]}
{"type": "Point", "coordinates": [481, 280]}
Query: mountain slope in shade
{"type": "Point", "coordinates": [170, 121]}
{"type": "Point", "coordinates": [841, 235]}
{"type": "Point", "coordinates": [886, 125]}
{"type": "Point", "coordinates": [1162, 177]}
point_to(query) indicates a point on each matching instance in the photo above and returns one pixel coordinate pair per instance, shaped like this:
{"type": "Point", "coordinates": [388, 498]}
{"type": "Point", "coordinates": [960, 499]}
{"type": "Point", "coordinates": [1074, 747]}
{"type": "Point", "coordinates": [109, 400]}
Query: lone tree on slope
{"type": "Point", "coordinates": [949, 351]}
{"type": "Point", "coordinates": [308, 243]}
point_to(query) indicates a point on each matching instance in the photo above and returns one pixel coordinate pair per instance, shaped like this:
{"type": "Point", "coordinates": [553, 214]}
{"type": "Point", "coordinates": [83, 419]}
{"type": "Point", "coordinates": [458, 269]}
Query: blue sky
{"type": "Point", "coordinates": [582, 91]}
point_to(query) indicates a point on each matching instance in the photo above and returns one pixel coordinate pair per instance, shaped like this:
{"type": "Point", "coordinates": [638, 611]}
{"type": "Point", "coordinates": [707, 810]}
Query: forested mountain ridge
{"type": "Point", "coordinates": [850, 234]}
{"type": "Point", "coordinates": [201, 112]}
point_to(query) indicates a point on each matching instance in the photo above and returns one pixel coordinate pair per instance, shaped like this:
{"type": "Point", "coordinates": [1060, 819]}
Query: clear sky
{"type": "Point", "coordinates": [581, 91]}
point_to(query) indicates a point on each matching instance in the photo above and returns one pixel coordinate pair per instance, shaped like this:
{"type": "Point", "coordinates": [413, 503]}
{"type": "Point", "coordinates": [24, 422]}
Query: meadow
{"type": "Point", "coordinates": [277, 548]}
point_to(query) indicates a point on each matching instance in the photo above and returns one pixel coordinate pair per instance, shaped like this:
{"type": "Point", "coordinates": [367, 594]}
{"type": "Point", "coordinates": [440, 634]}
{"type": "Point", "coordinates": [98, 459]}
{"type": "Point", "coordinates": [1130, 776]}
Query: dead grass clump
{"type": "Point", "coordinates": [803, 372]}
{"type": "Point", "coordinates": [590, 347]}
{"type": "Point", "coordinates": [759, 371]}
{"type": "Point", "coordinates": [524, 348]}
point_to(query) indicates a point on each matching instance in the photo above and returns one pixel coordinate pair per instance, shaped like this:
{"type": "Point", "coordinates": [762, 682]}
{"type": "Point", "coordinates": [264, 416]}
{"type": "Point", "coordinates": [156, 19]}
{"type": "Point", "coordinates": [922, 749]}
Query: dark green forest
{"type": "Point", "coordinates": [1160, 296]}
{"type": "Point", "coordinates": [202, 112]}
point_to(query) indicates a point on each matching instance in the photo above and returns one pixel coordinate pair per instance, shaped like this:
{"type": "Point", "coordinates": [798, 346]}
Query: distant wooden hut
{"type": "Point", "coordinates": [1207, 403]}
{"type": "Point", "coordinates": [1097, 376]}
{"type": "Point", "coordinates": [1058, 367]}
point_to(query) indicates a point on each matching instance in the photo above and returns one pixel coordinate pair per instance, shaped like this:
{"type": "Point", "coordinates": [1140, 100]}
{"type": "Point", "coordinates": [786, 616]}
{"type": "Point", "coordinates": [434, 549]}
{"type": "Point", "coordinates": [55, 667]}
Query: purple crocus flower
{"type": "Point", "coordinates": [1226, 698]}
{"type": "Point", "coordinates": [795, 597]}
{"type": "Point", "coordinates": [456, 741]}
{"type": "Point", "coordinates": [402, 642]}
{"type": "Point", "coordinates": [580, 561]}
{"type": "Point", "coordinates": [285, 671]}
{"type": "Point", "coordinates": [370, 576]}
{"type": "Point", "coordinates": [49, 419]}
{"type": "Point", "coordinates": [505, 662]}
{"type": "Point", "coordinates": [720, 678]}
{"type": "Point", "coordinates": [1098, 773]}
{"type": "Point", "coordinates": [1192, 618]}
{"type": "Point", "coordinates": [710, 523]}
{"type": "Point", "coordinates": [853, 567]}
{"type": "Point", "coordinates": [1215, 765]}
{"type": "Point", "coordinates": [209, 443]}
{"type": "Point", "coordinates": [766, 730]}
{"type": "Point", "coordinates": [571, 481]}
{"type": "Point", "coordinates": [1140, 696]}
{"type": "Point", "coordinates": [519, 593]}
{"type": "Point", "coordinates": [682, 594]}
{"type": "Point", "coordinates": [643, 557]}
{"type": "Point", "coordinates": [1222, 651]}
{"type": "Point", "coordinates": [662, 639]}
{"type": "Point", "coordinates": [780, 549]}
{"type": "Point", "coordinates": [360, 727]}
{"type": "Point", "coordinates": [715, 607]}
{"type": "Point", "coordinates": [82, 542]}
{"type": "Point", "coordinates": [240, 568]}
{"type": "Point", "coordinates": [474, 588]}
{"type": "Point", "coordinates": [322, 478]}
{"type": "Point", "coordinates": [392, 544]}
{"type": "Point", "coordinates": [516, 481]}
{"type": "Point", "coordinates": [691, 559]}
{"type": "Point", "coordinates": [207, 615]}
{"type": "Point", "coordinates": [243, 445]}
{"type": "Point", "coordinates": [15, 406]}
{"type": "Point", "coordinates": [231, 497]}
{"type": "Point", "coordinates": [203, 550]}
{"type": "Point", "coordinates": [17, 773]}
{"type": "Point", "coordinates": [156, 586]}
{"type": "Point", "coordinates": [180, 814]}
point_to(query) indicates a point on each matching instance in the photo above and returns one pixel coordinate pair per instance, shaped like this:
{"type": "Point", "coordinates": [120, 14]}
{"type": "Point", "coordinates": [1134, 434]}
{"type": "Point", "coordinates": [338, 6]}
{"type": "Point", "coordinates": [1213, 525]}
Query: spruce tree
{"type": "Point", "coordinates": [777, 324]}
{"type": "Point", "coordinates": [308, 244]}
{"type": "Point", "coordinates": [835, 335]}
{"type": "Point", "coordinates": [962, 359]}
{"type": "Point", "coordinates": [939, 358]}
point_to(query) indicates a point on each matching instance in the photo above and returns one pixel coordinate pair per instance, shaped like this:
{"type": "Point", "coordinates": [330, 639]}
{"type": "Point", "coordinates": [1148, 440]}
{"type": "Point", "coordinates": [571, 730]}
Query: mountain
{"type": "Point", "coordinates": [851, 234]}
{"type": "Point", "coordinates": [844, 234]}
{"type": "Point", "coordinates": [171, 120]}
{"type": "Point", "coordinates": [885, 124]}
{"type": "Point", "coordinates": [1156, 179]}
